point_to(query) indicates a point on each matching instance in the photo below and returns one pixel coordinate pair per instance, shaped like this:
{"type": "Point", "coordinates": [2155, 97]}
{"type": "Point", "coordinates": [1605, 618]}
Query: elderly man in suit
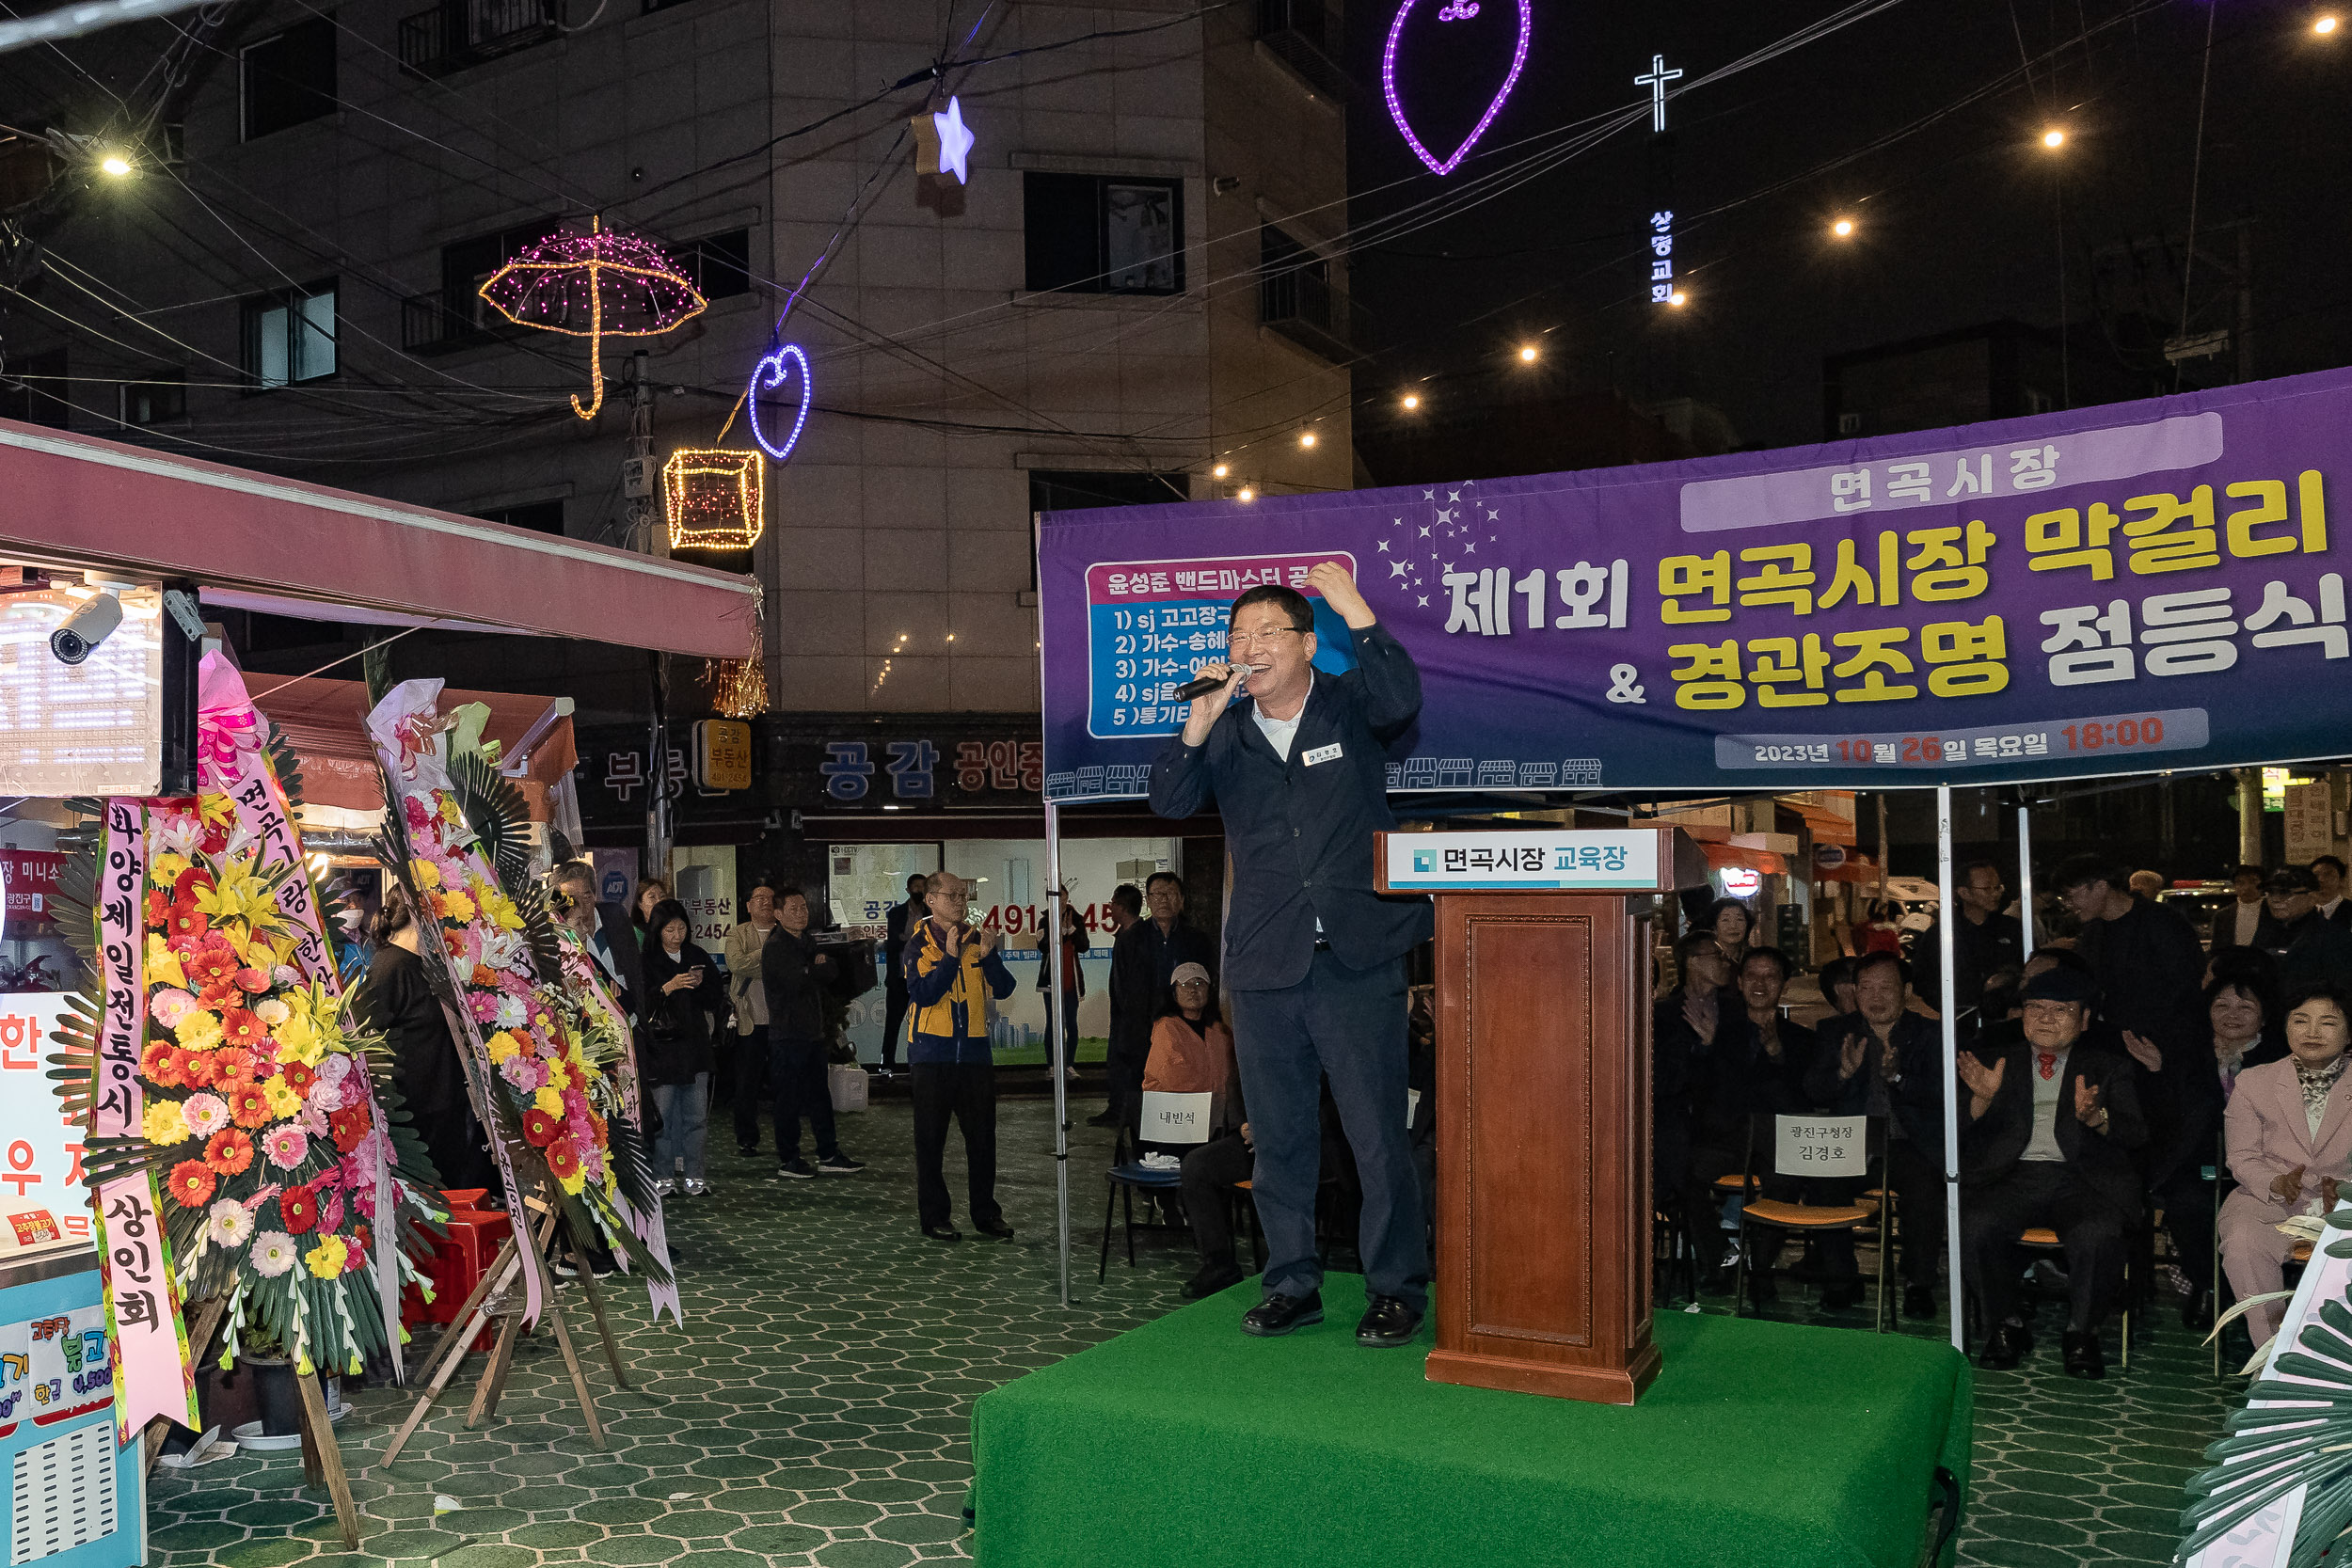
{"type": "Point", "coordinates": [2289, 1133]}
{"type": "Point", "coordinates": [2046, 1139]}
{"type": "Point", "coordinates": [1296, 759]}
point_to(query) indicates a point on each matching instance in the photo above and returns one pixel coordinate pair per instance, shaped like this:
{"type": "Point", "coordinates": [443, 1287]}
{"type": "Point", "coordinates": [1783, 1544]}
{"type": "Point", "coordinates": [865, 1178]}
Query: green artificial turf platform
{"type": "Point", "coordinates": [1186, 1444]}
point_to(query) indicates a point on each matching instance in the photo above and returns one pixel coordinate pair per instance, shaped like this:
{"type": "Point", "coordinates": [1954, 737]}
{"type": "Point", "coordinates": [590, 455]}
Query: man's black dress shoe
{"type": "Point", "coordinates": [1278, 1314]}
{"type": "Point", "coordinates": [2007, 1344]}
{"type": "Point", "coordinates": [2083, 1356]}
{"type": "Point", "coordinates": [1000, 1230]}
{"type": "Point", "coordinates": [1919, 1302]}
{"type": "Point", "coordinates": [1841, 1295]}
{"type": "Point", "coordinates": [2196, 1312]}
{"type": "Point", "coordinates": [943, 1233]}
{"type": "Point", "coordinates": [1387, 1324]}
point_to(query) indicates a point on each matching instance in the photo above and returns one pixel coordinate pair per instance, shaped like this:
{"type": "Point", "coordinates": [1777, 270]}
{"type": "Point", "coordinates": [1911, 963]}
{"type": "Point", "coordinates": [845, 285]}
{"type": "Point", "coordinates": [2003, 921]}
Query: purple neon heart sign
{"type": "Point", "coordinates": [769, 375]}
{"type": "Point", "coordinates": [1453, 10]}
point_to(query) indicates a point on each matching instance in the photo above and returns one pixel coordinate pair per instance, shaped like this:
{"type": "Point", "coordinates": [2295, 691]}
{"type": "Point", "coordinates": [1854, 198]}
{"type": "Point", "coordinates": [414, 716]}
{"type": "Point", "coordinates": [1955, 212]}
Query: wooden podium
{"type": "Point", "coordinates": [1544, 1208]}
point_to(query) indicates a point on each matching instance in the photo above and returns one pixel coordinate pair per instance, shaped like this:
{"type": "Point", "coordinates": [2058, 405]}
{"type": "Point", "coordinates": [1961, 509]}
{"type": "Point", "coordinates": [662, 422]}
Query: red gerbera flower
{"type": "Point", "coordinates": [540, 1129]}
{"type": "Point", "coordinates": [232, 1062]}
{"type": "Point", "coordinates": [191, 1185]}
{"type": "Point", "coordinates": [184, 923]}
{"type": "Point", "coordinates": [255, 980]}
{"type": "Point", "coordinates": [564, 1159]}
{"type": "Point", "coordinates": [298, 1210]}
{"type": "Point", "coordinates": [229, 1152]}
{"type": "Point", "coordinates": [158, 909]}
{"type": "Point", "coordinates": [240, 1027]}
{"type": "Point", "coordinates": [200, 1069]}
{"type": "Point", "coordinates": [211, 965]}
{"type": "Point", "coordinates": [159, 1063]}
{"type": "Point", "coordinates": [298, 1077]}
{"type": "Point", "coordinates": [248, 1106]}
{"type": "Point", "coordinates": [350, 1126]}
{"type": "Point", "coordinates": [485, 979]}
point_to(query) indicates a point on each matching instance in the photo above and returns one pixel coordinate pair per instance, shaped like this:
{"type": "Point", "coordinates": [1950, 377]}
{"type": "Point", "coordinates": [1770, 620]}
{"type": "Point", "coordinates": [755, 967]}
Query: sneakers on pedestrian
{"type": "Point", "coordinates": [697, 1187]}
{"type": "Point", "coordinates": [664, 1187]}
{"type": "Point", "coordinates": [795, 1170]}
{"type": "Point", "coordinates": [839, 1165]}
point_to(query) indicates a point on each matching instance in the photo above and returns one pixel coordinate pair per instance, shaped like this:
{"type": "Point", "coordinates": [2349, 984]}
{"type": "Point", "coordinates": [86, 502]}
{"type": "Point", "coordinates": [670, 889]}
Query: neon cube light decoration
{"type": "Point", "coordinates": [1453, 10]}
{"type": "Point", "coordinates": [715, 498]}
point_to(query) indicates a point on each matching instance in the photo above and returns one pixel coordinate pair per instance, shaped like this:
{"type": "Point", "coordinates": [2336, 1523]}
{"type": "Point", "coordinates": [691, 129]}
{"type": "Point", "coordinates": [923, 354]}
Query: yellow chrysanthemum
{"type": "Point", "coordinates": [502, 1045]}
{"type": "Point", "coordinates": [575, 1182]}
{"type": "Point", "coordinates": [425, 872]}
{"type": "Point", "coordinates": [549, 1100]}
{"type": "Point", "coordinates": [559, 1076]}
{"type": "Point", "coordinates": [165, 868]}
{"type": "Point", "coordinates": [326, 1259]}
{"type": "Point", "coordinates": [162, 964]}
{"type": "Point", "coordinates": [456, 905]}
{"type": "Point", "coordinates": [283, 1101]}
{"type": "Point", "coordinates": [447, 807]}
{"type": "Point", "coordinates": [198, 1031]}
{"type": "Point", "coordinates": [162, 1125]}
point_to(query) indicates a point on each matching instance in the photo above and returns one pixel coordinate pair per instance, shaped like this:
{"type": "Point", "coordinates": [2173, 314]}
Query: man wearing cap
{"type": "Point", "coordinates": [1296, 761]}
{"type": "Point", "coordinates": [2310, 947]}
{"type": "Point", "coordinates": [2047, 1136]}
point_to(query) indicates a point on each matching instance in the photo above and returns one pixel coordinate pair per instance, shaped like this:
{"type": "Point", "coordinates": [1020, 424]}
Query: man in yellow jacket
{"type": "Point", "coordinates": [952, 970]}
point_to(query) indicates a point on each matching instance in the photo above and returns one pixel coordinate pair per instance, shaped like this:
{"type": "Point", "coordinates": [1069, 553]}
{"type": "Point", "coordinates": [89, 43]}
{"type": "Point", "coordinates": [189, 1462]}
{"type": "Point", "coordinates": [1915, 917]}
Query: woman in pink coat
{"type": "Point", "coordinates": [2289, 1134]}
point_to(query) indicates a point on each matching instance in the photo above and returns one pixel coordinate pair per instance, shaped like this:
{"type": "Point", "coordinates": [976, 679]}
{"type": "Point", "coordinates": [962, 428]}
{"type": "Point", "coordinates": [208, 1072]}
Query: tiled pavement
{"type": "Point", "coordinates": [815, 1408]}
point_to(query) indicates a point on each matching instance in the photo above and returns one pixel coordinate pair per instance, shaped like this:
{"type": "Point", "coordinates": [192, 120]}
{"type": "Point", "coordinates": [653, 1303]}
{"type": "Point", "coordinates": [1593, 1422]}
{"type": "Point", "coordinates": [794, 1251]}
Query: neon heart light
{"type": "Point", "coordinates": [765, 376]}
{"type": "Point", "coordinates": [1455, 10]}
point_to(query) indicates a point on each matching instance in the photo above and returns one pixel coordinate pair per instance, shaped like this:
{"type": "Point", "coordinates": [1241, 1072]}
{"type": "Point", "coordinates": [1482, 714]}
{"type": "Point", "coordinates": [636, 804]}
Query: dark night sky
{"type": "Point", "coordinates": [1959, 219]}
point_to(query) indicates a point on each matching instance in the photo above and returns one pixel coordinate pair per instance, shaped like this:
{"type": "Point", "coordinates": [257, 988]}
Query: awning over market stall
{"type": "Point", "coordinates": [324, 721]}
{"type": "Point", "coordinates": [280, 545]}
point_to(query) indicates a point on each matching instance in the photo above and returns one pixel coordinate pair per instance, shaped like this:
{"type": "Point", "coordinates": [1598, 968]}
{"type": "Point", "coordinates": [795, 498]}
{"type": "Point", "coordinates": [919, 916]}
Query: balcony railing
{"type": "Point", "coordinates": [1303, 307]}
{"type": "Point", "coordinates": [460, 33]}
{"type": "Point", "coordinates": [1304, 36]}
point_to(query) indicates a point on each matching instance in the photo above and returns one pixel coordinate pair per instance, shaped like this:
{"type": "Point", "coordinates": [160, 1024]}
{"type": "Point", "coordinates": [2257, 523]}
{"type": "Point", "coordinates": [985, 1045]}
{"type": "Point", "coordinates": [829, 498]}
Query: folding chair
{"type": "Point", "coordinates": [2040, 1238]}
{"type": "Point", "coordinates": [1821, 1147]}
{"type": "Point", "coordinates": [1123, 1180]}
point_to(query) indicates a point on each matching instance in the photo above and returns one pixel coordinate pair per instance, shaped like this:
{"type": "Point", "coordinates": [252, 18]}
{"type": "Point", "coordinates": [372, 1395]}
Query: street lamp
{"type": "Point", "coordinates": [2325, 25]}
{"type": "Point", "coordinates": [1412, 401]}
{"type": "Point", "coordinates": [1842, 228]}
{"type": "Point", "coordinates": [1307, 439]}
{"type": "Point", "coordinates": [1246, 494]}
{"type": "Point", "coordinates": [1219, 472]}
{"type": "Point", "coordinates": [1527, 354]}
{"type": "Point", "coordinates": [115, 164]}
{"type": "Point", "coordinates": [2053, 138]}
{"type": "Point", "coordinates": [1676, 298]}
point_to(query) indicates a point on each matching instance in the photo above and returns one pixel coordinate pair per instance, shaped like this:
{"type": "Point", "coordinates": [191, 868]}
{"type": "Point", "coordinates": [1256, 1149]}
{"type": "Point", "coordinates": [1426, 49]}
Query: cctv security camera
{"type": "Point", "coordinates": [86, 628]}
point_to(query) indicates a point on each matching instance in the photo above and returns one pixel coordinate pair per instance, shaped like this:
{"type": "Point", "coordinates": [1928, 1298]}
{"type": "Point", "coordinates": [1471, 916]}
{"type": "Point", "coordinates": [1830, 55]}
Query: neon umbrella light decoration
{"type": "Point", "coordinates": [596, 286]}
{"type": "Point", "coordinates": [1453, 10]}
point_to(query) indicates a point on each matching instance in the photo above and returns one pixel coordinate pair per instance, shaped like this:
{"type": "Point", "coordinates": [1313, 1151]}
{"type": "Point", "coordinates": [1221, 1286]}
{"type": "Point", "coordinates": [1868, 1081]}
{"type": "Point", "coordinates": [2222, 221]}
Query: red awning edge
{"type": "Point", "coordinates": [103, 504]}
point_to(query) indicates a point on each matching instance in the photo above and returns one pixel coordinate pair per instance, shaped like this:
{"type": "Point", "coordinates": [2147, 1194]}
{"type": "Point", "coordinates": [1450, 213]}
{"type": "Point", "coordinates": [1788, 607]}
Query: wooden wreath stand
{"type": "Point", "coordinates": [1543, 992]}
{"type": "Point", "coordinates": [321, 1455]}
{"type": "Point", "coordinates": [490, 1299]}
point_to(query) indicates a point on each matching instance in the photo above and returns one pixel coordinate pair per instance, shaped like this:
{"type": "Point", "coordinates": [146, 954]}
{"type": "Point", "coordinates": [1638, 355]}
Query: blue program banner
{"type": "Point", "coordinates": [2141, 586]}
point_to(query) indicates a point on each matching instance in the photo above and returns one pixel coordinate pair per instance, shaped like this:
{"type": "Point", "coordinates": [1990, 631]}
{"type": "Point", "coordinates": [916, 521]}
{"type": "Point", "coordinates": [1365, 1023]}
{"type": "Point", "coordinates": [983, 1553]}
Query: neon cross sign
{"type": "Point", "coordinates": [1453, 10]}
{"type": "Point", "coordinates": [1656, 80]}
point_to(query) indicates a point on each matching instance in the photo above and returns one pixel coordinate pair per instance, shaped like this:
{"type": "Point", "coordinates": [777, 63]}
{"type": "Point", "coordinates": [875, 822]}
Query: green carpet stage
{"type": "Point", "coordinates": [1186, 1444]}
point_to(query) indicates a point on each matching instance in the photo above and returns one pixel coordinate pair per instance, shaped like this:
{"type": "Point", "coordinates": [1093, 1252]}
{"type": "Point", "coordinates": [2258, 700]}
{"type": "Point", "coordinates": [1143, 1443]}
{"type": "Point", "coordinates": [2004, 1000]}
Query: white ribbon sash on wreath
{"type": "Point", "coordinates": [231, 760]}
{"type": "Point", "coordinates": [587, 977]}
{"type": "Point", "coordinates": [151, 1374]}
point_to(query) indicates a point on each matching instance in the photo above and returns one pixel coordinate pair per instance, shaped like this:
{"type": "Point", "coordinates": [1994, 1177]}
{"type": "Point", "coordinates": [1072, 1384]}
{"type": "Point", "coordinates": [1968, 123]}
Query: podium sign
{"type": "Point", "coordinates": [1544, 1203]}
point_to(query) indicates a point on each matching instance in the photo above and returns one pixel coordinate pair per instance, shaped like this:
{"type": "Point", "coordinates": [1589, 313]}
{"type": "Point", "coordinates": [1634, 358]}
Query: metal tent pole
{"type": "Point", "coordinates": [1061, 1048]}
{"type": "Point", "coordinates": [1949, 1004]}
{"type": "Point", "coordinates": [2024, 874]}
{"type": "Point", "coordinates": [1057, 1058]}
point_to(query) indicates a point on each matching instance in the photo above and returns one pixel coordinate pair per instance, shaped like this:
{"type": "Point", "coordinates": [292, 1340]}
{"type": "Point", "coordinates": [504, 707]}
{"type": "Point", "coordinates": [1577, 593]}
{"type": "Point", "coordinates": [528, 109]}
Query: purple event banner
{"type": "Point", "coordinates": [2137, 587]}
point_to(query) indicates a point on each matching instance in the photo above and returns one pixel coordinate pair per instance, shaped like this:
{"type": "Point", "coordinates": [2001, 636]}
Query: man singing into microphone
{"type": "Point", "coordinates": [1314, 960]}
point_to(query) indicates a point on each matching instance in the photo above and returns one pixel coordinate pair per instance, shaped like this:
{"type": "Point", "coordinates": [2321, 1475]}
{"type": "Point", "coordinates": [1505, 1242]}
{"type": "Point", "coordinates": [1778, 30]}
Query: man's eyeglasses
{"type": "Point", "coordinates": [1244, 639]}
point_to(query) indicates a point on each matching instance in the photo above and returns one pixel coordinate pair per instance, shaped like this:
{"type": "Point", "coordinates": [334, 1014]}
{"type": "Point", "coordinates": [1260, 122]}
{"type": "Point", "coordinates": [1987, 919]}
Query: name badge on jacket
{"type": "Point", "coordinates": [1321, 754]}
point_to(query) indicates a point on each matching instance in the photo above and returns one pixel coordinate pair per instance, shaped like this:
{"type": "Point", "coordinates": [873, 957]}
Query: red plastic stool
{"type": "Point", "coordinates": [459, 1260]}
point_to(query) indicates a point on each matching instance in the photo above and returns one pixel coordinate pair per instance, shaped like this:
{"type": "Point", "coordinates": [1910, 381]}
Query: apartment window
{"type": "Point", "coordinates": [289, 336]}
{"type": "Point", "coordinates": [1074, 489]}
{"type": "Point", "coordinates": [1097, 234]}
{"type": "Point", "coordinates": [159, 396]}
{"type": "Point", "coordinates": [538, 517]}
{"type": "Point", "coordinates": [468, 265]}
{"type": "Point", "coordinates": [287, 78]}
{"type": "Point", "coordinates": [721, 264]}
{"type": "Point", "coordinates": [33, 389]}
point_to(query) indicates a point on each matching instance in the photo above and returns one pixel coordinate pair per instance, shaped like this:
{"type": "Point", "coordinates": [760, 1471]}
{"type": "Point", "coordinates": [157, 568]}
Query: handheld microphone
{"type": "Point", "coordinates": [1202, 687]}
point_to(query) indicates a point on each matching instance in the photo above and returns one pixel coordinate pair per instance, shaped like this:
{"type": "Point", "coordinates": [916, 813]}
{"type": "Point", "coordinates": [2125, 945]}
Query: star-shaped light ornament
{"type": "Point", "coordinates": [944, 144]}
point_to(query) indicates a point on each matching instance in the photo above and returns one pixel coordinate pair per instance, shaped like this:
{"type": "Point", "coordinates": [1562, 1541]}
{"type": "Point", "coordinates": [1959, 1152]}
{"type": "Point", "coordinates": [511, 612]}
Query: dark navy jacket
{"type": "Point", "coordinates": [1300, 832]}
